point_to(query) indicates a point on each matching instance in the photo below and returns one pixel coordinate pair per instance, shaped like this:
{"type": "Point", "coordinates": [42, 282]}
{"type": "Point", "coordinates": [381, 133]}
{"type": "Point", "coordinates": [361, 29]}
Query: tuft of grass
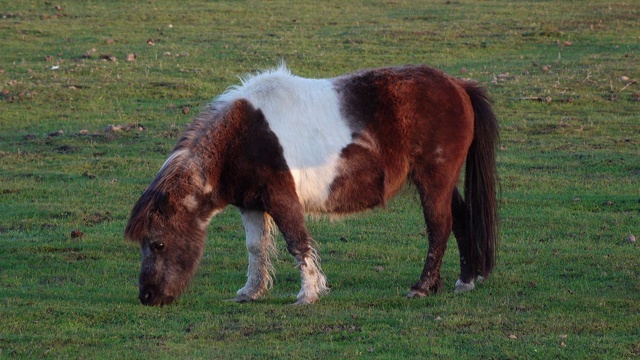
{"type": "Point", "coordinates": [562, 78]}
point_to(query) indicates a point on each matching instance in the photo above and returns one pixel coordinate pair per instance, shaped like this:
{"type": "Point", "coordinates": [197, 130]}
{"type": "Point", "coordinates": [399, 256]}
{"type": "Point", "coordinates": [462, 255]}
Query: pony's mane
{"type": "Point", "coordinates": [281, 70]}
{"type": "Point", "coordinates": [200, 127]}
{"type": "Point", "coordinates": [261, 82]}
{"type": "Point", "coordinates": [182, 173]}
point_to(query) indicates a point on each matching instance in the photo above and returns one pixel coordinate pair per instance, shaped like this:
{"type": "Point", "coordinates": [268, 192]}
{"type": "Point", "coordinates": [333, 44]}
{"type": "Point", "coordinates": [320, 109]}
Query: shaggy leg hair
{"type": "Point", "coordinates": [259, 229]}
{"type": "Point", "coordinates": [314, 282]}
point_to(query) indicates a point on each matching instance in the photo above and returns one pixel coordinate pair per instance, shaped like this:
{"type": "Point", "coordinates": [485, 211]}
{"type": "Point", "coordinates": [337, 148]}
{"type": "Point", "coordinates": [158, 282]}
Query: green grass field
{"type": "Point", "coordinates": [563, 77]}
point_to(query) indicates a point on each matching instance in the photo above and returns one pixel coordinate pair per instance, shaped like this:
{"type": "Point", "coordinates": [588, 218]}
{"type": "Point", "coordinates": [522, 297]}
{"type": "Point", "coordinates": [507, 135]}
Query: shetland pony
{"type": "Point", "coordinates": [279, 146]}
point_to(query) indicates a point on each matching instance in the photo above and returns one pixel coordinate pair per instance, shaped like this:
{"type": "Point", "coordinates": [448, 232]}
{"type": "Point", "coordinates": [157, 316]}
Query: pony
{"type": "Point", "coordinates": [279, 146]}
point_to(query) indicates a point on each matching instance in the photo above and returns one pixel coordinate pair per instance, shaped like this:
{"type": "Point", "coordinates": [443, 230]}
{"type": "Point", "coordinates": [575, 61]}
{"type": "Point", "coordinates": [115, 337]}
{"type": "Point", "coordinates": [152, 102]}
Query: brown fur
{"type": "Point", "coordinates": [423, 122]}
{"type": "Point", "coordinates": [408, 123]}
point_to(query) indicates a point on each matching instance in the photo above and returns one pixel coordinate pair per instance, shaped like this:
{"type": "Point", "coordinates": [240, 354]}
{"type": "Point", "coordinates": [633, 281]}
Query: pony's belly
{"type": "Point", "coordinates": [313, 186]}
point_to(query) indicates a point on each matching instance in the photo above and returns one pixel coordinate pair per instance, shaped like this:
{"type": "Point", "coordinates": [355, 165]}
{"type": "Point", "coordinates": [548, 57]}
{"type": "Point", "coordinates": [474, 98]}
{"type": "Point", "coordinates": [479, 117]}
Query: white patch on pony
{"type": "Point", "coordinates": [463, 286]}
{"type": "Point", "coordinates": [305, 116]}
{"type": "Point", "coordinates": [367, 141]}
{"type": "Point", "coordinates": [438, 155]}
{"type": "Point", "coordinates": [314, 282]}
{"type": "Point", "coordinates": [204, 222]}
{"type": "Point", "coordinates": [259, 229]}
{"type": "Point", "coordinates": [190, 202]}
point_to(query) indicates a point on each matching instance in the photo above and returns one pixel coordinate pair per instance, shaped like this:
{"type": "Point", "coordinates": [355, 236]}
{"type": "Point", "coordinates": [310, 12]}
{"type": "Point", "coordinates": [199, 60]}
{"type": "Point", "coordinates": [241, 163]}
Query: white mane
{"type": "Point", "coordinates": [262, 84]}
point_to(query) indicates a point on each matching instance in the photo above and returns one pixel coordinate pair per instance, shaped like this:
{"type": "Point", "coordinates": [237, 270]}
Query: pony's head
{"type": "Point", "coordinates": [195, 182]}
{"type": "Point", "coordinates": [169, 222]}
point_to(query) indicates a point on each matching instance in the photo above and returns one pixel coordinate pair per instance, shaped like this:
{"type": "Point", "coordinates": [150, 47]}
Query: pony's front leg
{"type": "Point", "coordinates": [313, 281]}
{"type": "Point", "coordinates": [288, 216]}
{"type": "Point", "coordinates": [258, 228]}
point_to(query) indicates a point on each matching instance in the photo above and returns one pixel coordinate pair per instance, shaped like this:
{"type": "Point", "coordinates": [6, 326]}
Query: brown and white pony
{"type": "Point", "coordinates": [279, 146]}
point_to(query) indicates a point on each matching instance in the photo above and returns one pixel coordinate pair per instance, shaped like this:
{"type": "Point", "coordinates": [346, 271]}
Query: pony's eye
{"type": "Point", "coordinates": [158, 246]}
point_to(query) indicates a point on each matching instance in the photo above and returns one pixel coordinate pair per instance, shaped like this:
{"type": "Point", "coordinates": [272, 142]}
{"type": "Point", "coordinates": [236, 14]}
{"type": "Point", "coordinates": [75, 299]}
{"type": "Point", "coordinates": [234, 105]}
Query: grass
{"type": "Point", "coordinates": [567, 284]}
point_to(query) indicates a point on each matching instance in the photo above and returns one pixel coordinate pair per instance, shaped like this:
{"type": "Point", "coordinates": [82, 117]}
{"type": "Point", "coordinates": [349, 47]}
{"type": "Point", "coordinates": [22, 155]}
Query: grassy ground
{"type": "Point", "coordinates": [563, 77]}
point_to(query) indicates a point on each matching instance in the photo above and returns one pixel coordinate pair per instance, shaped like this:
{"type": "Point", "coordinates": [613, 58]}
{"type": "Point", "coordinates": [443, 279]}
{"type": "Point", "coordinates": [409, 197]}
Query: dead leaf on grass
{"type": "Point", "coordinates": [97, 218]}
{"type": "Point", "coordinates": [564, 43]}
{"type": "Point", "coordinates": [108, 57]}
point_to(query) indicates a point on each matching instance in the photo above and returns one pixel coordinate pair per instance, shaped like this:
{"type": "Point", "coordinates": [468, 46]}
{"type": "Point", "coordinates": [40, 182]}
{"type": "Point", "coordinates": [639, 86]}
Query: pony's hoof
{"type": "Point", "coordinates": [414, 294]}
{"type": "Point", "coordinates": [241, 299]}
{"type": "Point", "coordinates": [462, 287]}
{"type": "Point", "coordinates": [305, 301]}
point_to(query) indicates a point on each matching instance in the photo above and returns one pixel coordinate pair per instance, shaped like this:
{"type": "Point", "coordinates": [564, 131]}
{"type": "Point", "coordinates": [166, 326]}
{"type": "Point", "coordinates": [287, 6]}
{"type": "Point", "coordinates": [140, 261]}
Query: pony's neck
{"type": "Point", "coordinates": [188, 185]}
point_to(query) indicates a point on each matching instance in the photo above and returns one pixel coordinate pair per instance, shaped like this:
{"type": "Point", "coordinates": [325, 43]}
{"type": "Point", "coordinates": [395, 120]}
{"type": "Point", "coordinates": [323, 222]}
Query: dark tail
{"type": "Point", "coordinates": [480, 184]}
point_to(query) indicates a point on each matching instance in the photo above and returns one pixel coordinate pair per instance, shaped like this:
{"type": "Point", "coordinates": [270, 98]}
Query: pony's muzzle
{"type": "Point", "coordinates": [146, 296]}
{"type": "Point", "coordinates": [150, 296]}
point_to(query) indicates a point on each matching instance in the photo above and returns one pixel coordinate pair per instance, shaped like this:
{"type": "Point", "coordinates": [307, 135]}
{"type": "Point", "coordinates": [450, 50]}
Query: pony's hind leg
{"type": "Point", "coordinates": [437, 213]}
{"type": "Point", "coordinates": [258, 227]}
{"type": "Point", "coordinates": [435, 183]}
{"type": "Point", "coordinates": [467, 273]}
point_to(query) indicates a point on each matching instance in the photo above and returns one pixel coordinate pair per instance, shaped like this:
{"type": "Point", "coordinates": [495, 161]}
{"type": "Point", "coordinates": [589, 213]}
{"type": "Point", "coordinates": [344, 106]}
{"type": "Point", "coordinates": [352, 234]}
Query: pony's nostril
{"type": "Point", "coordinates": [146, 296]}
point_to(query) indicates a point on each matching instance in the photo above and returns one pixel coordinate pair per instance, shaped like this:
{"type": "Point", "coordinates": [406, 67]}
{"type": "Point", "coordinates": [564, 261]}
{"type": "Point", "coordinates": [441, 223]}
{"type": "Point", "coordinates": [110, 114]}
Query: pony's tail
{"type": "Point", "coordinates": [480, 184]}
